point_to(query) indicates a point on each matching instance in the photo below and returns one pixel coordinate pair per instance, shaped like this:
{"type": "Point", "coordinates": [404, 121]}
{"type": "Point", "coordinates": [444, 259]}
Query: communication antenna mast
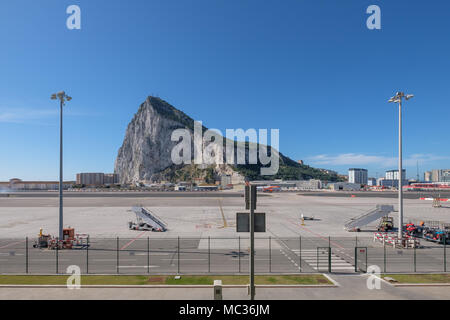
{"type": "Point", "coordinates": [418, 171]}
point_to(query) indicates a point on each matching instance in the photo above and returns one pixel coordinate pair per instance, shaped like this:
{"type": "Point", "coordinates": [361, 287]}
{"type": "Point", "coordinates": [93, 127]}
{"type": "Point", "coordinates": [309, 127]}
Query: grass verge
{"type": "Point", "coordinates": [420, 278]}
{"type": "Point", "coordinates": [315, 279]}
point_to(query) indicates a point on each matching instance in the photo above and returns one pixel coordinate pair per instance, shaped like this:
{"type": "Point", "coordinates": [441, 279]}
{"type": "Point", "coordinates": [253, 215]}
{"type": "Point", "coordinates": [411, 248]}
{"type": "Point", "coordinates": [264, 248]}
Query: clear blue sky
{"type": "Point", "coordinates": [310, 68]}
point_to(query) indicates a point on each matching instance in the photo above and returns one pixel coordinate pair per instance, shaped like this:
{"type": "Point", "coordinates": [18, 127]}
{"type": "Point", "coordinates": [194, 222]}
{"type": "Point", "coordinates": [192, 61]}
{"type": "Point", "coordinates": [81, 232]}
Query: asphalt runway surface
{"type": "Point", "coordinates": [378, 194]}
{"type": "Point", "coordinates": [143, 255]}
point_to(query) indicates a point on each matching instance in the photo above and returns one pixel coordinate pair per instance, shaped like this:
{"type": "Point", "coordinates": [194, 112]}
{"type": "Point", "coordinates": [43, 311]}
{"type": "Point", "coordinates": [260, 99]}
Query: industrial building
{"type": "Point", "coordinates": [431, 186]}
{"type": "Point", "coordinates": [18, 184]}
{"type": "Point", "coordinates": [97, 178]}
{"type": "Point", "coordinates": [393, 175]}
{"type": "Point", "coordinates": [344, 186]}
{"type": "Point", "coordinates": [311, 184]}
{"type": "Point", "coordinates": [225, 180]}
{"type": "Point", "coordinates": [389, 183]}
{"type": "Point", "coordinates": [357, 175]}
{"type": "Point", "coordinates": [206, 188]}
{"type": "Point", "coordinates": [437, 175]}
{"type": "Point", "coordinates": [442, 175]}
{"type": "Point", "coordinates": [110, 178]}
{"type": "Point", "coordinates": [230, 179]}
{"type": "Point", "coordinates": [390, 179]}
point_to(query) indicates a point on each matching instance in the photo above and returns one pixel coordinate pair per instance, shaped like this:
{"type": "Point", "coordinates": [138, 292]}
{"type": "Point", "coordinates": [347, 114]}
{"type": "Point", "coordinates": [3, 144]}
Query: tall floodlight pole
{"type": "Point", "coordinates": [62, 97]}
{"type": "Point", "coordinates": [398, 98]}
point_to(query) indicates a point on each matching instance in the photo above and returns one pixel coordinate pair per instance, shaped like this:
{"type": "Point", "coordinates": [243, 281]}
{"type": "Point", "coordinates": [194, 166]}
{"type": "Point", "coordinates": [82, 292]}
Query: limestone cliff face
{"type": "Point", "coordinates": [147, 145]}
{"type": "Point", "coordinates": [145, 154]}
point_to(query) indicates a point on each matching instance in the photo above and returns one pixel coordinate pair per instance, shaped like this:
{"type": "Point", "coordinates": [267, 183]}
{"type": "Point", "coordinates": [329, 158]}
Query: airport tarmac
{"type": "Point", "coordinates": [201, 236]}
{"type": "Point", "coordinates": [193, 216]}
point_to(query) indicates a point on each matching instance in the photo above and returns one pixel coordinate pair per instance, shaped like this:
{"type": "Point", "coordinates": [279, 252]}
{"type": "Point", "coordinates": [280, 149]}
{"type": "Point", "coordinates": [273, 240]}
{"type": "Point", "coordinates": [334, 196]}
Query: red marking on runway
{"type": "Point", "coordinates": [10, 244]}
{"type": "Point", "coordinates": [314, 233]}
{"type": "Point", "coordinates": [130, 242]}
{"type": "Point", "coordinates": [429, 199]}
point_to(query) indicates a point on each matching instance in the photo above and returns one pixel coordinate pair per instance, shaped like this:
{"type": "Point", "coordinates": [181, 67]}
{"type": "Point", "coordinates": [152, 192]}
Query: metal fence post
{"type": "Point", "coordinates": [356, 259]}
{"type": "Point", "coordinates": [384, 253]}
{"type": "Point", "coordinates": [178, 255]}
{"type": "Point", "coordinates": [367, 255]}
{"type": "Point", "coordinates": [209, 254]}
{"type": "Point", "coordinates": [148, 254]}
{"type": "Point", "coordinates": [117, 255]}
{"type": "Point", "coordinates": [415, 260]}
{"type": "Point", "coordinates": [26, 255]}
{"type": "Point", "coordinates": [300, 254]}
{"type": "Point", "coordinates": [329, 254]}
{"type": "Point", "coordinates": [270, 254]}
{"type": "Point", "coordinates": [445, 253]}
{"type": "Point", "coordinates": [318, 270]}
{"type": "Point", "coordinates": [57, 251]}
{"type": "Point", "coordinates": [239, 253]}
{"type": "Point", "coordinates": [87, 255]}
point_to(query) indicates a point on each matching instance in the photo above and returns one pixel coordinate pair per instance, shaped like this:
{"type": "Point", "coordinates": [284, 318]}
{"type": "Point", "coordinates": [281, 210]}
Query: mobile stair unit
{"type": "Point", "coordinates": [146, 220]}
{"type": "Point", "coordinates": [356, 223]}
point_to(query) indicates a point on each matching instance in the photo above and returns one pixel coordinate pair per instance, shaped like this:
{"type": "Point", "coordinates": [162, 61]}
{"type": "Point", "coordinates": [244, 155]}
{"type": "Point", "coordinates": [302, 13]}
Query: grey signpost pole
{"type": "Point", "coordinates": [252, 243]}
{"type": "Point", "coordinates": [239, 253]}
{"type": "Point", "coordinates": [250, 204]}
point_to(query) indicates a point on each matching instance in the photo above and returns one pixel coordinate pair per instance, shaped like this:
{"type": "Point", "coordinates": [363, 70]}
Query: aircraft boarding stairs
{"type": "Point", "coordinates": [368, 217]}
{"type": "Point", "coordinates": [144, 215]}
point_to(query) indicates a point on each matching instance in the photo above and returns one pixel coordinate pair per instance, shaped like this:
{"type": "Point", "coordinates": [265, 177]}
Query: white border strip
{"type": "Point", "coordinates": [336, 284]}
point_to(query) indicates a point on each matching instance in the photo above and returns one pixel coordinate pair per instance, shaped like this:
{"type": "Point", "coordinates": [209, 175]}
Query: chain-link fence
{"type": "Point", "coordinates": [151, 255]}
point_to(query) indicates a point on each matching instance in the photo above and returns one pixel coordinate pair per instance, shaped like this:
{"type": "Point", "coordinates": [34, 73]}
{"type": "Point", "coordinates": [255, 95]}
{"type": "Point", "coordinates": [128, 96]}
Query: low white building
{"type": "Point", "coordinates": [393, 175]}
{"type": "Point", "coordinates": [18, 184]}
{"type": "Point", "coordinates": [311, 184]}
{"type": "Point", "coordinates": [180, 188]}
{"type": "Point", "coordinates": [345, 186]}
